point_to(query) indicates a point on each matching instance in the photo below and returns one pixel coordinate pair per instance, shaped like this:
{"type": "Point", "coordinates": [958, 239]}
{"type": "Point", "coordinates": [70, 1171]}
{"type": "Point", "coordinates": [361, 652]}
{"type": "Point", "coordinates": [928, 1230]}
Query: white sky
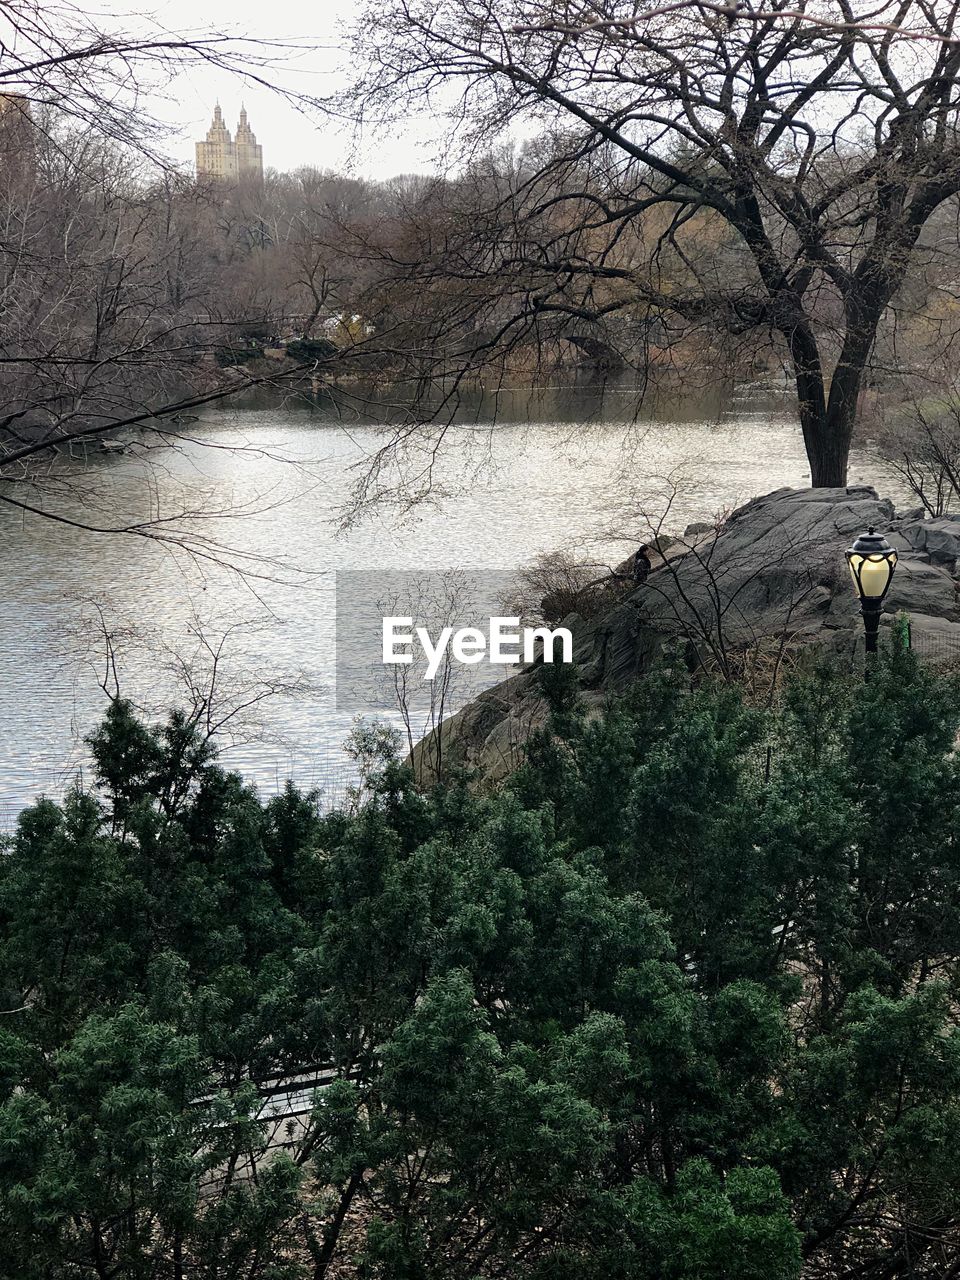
{"type": "Point", "coordinates": [288, 138]}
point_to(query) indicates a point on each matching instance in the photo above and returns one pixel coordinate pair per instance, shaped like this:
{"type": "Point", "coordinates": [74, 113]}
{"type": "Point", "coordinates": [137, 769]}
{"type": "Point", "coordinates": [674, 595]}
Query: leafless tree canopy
{"type": "Point", "coordinates": [96, 74]}
{"type": "Point", "coordinates": [119, 278]}
{"type": "Point", "coordinates": [920, 439]}
{"type": "Point", "coordinates": [655, 187]}
{"type": "Point", "coordinates": [758, 168]}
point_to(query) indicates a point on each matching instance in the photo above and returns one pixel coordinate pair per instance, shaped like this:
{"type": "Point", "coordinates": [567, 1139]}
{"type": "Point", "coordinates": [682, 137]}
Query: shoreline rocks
{"type": "Point", "coordinates": [774, 576]}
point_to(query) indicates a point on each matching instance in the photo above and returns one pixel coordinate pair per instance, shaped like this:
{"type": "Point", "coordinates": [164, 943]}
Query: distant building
{"type": "Point", "coordinates": [226, 160]}
{"type": "Point", "coordinates": [18, 138]}
{"type": "Point", "coordinates": [249, 150]}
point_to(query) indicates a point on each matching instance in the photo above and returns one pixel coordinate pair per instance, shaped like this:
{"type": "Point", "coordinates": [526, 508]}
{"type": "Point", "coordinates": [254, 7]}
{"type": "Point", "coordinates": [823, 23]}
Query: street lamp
{"type": "Point", "coordinates": [872, 562]}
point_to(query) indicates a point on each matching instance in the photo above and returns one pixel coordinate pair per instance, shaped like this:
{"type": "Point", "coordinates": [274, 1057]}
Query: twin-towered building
{"type": "Point", "coordinates": [227, 159]}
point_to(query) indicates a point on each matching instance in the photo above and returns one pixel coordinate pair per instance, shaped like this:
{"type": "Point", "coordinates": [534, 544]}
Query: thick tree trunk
{"type": "Point", "coordinates": [828, 451]}
{"type": "Point", "coordinates": [331, 1234]}
{"type": "Point", "coordinates": [827, 434]}
{"type": "Point", "coordinates": [828, 443]}
{"type": "Point", "coordinates": [825, 437]}
{"type": "Point", "coordinates": [827, 421]}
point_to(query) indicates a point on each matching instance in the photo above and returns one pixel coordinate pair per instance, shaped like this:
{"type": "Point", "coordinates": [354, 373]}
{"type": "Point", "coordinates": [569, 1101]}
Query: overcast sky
{"type": "Point", "coordinates": [287, 137]}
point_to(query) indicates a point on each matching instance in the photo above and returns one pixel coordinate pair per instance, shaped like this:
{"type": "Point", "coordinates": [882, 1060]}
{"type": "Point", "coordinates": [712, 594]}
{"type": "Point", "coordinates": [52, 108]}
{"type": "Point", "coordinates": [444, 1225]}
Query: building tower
{"type": "Point", "coordinates": [18, 139]}
{"type": "Point", "coordinates": [217, 156]}
{"type": "Point", "coordinates": [249, 151]}
{"type": "Point", "coordinates": [226, 160]}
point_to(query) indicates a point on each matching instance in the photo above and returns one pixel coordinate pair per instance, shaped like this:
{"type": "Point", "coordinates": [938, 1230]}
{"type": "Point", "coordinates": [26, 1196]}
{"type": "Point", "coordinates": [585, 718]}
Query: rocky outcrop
{"type": "Point", "coordinates": [773, 579]}
{"type": "Point", "coordinates": [938, 538]}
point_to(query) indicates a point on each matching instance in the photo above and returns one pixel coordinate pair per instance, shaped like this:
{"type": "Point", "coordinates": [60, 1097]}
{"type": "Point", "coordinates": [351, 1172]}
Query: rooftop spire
{"type": "Point", "coordinates": [244, 132]}
{"type": "Point", "coordinates": [218, 131]}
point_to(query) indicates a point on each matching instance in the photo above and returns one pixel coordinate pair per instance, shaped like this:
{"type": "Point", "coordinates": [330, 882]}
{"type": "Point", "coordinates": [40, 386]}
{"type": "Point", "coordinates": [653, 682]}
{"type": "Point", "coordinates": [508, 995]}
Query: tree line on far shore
{"type": "Point", "coordinates": [711, 187]}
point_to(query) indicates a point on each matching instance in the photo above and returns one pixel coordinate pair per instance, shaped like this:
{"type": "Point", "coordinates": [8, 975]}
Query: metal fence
{"type": "Point", "coordinates": [938, 647]}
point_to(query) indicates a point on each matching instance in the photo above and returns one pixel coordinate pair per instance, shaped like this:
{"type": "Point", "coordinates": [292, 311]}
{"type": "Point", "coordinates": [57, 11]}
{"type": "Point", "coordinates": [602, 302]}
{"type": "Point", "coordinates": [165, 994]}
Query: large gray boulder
{"type": "Point", "coordinates": [938, 538]}
{"type": "Point", "coordinates": [774, 578]}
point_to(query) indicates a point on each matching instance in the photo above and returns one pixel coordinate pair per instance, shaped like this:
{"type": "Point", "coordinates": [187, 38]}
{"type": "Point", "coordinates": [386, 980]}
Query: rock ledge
{"type": "Point", "coordinates": [774, 575]}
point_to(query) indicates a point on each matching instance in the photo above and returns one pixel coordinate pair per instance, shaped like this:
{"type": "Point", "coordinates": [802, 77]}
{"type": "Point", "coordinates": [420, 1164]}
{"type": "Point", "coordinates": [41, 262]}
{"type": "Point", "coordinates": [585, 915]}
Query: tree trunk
{"type": "Point", "coordinates": [331, 1234]}
{"type": "Point", "coordinates": [828, 450]}
{"type": "Point", "coordinates": [828, 445]}
{"type": "Point", "coordinates": [827, 421]}
{"type": "Point", "coordinates": [826, 432]}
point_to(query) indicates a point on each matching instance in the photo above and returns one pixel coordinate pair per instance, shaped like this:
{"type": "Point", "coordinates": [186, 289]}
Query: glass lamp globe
{"type": "Point", "coordinates": [872, 562]}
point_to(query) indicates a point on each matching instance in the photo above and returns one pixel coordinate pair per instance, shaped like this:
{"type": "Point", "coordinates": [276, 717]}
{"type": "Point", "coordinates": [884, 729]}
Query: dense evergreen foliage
{"type": "Point", "coordinates": [671, 1005]}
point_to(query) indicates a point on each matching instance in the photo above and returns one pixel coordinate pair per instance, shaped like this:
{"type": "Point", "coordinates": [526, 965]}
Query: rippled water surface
{"type": "Point", "coordinates": [523, 476]}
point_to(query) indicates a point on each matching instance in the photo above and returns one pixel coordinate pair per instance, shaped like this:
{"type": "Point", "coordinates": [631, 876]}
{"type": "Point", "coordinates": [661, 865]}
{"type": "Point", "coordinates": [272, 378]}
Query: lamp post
{"type": "Point", "coordinates": [872, 562]}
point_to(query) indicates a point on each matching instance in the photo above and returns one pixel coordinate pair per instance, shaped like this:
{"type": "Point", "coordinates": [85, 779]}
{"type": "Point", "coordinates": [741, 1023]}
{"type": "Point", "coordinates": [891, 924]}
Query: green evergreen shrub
{"type": "Point", "coordinates": [652, 1011]}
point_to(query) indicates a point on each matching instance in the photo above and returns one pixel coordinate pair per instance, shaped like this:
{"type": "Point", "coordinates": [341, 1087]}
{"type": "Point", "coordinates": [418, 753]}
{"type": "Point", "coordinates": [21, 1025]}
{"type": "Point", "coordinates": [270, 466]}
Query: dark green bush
{"type": "Point", "coordinates": [304, 350]}
{"type": "Point", "coordinates": [647, 1012]}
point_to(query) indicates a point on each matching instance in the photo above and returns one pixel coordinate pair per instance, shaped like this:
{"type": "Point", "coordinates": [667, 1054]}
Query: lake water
{"type": "Point", "coordinates": [516, 475]}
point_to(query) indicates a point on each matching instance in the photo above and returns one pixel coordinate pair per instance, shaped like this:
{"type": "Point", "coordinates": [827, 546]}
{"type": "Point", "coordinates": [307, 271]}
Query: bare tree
{"type": "Point", "coordinates": [920, 439]}
{"type": "Point", "coordinates": [62, 56]}
{"type": "Point", "coordinates": [707, 598]}
{"type": "Point", "coordinates": [556, 583]}
{"type": "Point", "coordinates": [756, 168]}
{"type": "Point", "coordinates": [423, 705]}
{"type": "Point", "coordinates": [214, 677]}
{"type": "Point", "coordinates": [119, 305]}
